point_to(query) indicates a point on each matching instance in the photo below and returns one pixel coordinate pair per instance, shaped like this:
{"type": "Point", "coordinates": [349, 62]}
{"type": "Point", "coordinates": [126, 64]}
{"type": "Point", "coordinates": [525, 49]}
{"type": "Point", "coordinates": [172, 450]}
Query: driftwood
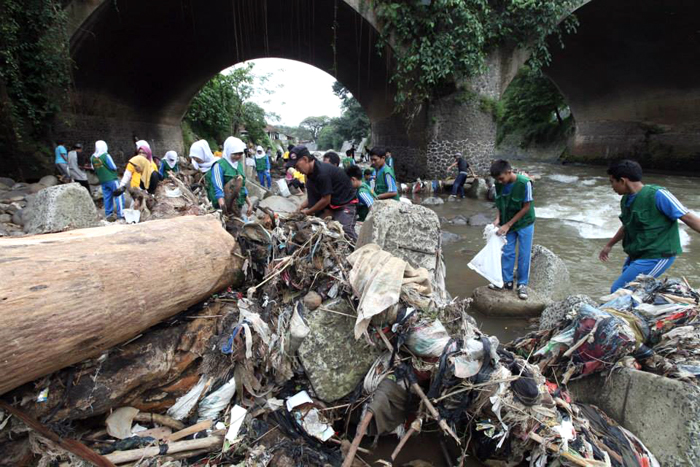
{"type": "Point", "coordinates": [210, 443]}
{"type": "Point", "coordinates": [150, 373]}
{"type": "Point", "coordinates": [70, 296]}
{"type": "Point", "coordinates": [70, 445]}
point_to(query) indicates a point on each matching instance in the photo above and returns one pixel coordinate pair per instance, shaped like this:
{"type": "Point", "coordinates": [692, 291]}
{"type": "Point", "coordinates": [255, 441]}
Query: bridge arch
{"type": "Point", "coordinates": [139, 64]}
{"type": "Point", "coordinates": [629, 74]}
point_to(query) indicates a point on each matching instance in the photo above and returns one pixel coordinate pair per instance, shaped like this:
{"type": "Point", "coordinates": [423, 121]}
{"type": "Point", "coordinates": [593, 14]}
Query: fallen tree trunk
{"type": "Point", "coordinates": [69, 296]}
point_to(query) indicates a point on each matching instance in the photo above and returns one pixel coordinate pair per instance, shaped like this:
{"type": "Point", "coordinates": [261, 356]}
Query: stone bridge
{"type": "Point", "coordinates": [628, 74]}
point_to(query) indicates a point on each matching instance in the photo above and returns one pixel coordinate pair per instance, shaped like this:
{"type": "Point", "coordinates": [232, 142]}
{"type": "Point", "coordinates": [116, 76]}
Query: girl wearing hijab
{"type": "Point", "coordinates": [168, 164]}
{"type": "Point", "coordinates": [230, 166]}
{"type": "Point", "coordinates": [201, 156]}
{"type": "Point", "coordinates": [142, 147]}
{"type": "Point", "coordinates": [147, 177]}
{"type": "Point", "coordinates": [106, 172]}
{"type": "Point", "coordinates": [262, 166]}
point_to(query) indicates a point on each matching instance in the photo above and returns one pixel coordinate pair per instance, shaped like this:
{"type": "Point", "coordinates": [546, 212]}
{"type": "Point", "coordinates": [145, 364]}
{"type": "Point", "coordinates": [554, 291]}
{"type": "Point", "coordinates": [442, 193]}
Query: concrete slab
{"type": "Point", "coordinates": [664, 413]}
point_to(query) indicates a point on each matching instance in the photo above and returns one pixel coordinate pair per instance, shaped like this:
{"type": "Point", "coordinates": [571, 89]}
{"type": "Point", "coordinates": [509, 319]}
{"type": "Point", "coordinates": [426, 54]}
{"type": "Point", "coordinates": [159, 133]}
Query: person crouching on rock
{"type": "Point", "coordinates": [329, 190]}
{"type": "Point", "coordinates": [385, 186]}
{"type": "Point", "coordinates": [365, 194]}
{"type": "Point", "coordinates": [139, 173]}
{"type": "Point", "coordinates": [106, 172]}
{"type": "Point", "coordinates": [649, 230]}
{"type": "Point", "coordinates": [516, 220]}
{"type": "Point", "coordinates": [230, 167]}
{"type": "Point", "coordinates": [168, 164]}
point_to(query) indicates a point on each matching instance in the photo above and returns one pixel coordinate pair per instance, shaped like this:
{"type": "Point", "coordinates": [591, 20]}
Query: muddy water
{"type": "Point", "coordinates": [576, 215]}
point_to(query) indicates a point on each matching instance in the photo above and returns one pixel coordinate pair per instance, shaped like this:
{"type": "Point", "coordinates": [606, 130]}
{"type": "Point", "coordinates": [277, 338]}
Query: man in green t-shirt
{"type": "Point", "coordinates": [516, 220]}
{"type": "Point", "coordinates": [649, 231]}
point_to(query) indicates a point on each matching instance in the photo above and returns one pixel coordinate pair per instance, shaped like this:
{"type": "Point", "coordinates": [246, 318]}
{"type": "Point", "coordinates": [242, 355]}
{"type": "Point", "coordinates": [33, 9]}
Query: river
{"type": "Point", "coordinates": [577, 212]}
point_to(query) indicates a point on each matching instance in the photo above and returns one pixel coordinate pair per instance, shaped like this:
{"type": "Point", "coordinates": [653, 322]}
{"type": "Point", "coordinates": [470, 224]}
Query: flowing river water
{"type": "Point", "coordinates": [577, 212]}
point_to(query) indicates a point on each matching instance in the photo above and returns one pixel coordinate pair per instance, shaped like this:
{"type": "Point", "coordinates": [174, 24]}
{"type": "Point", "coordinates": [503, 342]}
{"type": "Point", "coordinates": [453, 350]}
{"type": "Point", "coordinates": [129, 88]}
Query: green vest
{"type": "Point", "coordinates": [348, 162]}
{"type": "Point", "coordinates": [509, 205]}
{"type": "Point", "coordinates": [229, 173]}
{"type": "Point", "coordinates": [649, 233]}
{"type": "Point", "coordinates": [167, 168]}
{"type": "Point", "coordinates": [380, 186]}
{"type": "Point", "coordinates": [363, 210]}
{"type": "Point", "coordinates": [102, 170]}
{"type": "Point", "coordinates": [261, 163]}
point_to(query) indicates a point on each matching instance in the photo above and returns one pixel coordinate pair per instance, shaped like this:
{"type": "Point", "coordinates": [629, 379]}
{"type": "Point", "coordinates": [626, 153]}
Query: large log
{"type": "Point", "coordinates": [69, 296]}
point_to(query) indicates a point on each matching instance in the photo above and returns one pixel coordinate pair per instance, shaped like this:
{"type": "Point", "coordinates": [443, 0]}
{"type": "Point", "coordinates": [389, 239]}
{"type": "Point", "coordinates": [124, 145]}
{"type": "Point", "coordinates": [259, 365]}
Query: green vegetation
{"type": "Point", "coordinates": [438, 43]}
{"type": "Point", "coordinates": [34, 77]}
{"type": "Point", "coordinates": [222, 108]}
{"type": "Point", "coordinates": [534, 109]}
{"type": "Point", "coordinates": [352, 125]}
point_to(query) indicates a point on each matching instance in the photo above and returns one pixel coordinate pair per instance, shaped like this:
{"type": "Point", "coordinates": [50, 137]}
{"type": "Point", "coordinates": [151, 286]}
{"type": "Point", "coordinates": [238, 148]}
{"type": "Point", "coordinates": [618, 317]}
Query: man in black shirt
{"type": "Point", "coordinates": [463, 171]}
{"type": "Point", "coordinates": [328, 188]}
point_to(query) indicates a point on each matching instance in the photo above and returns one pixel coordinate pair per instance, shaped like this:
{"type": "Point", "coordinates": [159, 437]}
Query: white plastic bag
{"type": "Point", "coordinates": [488, 261]}
{"type": "Point", "coordinates": [212, 405]}
{"type": "Point", "coordinates": [284, 189]}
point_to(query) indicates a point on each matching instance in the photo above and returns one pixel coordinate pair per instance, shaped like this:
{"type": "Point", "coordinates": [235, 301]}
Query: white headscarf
{"type": "Point", "coordinates": [141, 143]}
{"type": "Point", "coordinates": [170, 158]}
{"type": "Point", "coordinates": [100, 148]}
{"type": "Point", "coordinates": [232, 146]}
{"type": "Point", "coordinates": [201, 150]}
{"type": "Point", "coordinates": [259, 152]}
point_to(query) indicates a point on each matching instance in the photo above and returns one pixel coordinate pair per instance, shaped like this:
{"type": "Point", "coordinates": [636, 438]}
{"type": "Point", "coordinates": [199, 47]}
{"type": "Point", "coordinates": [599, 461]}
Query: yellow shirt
{"type": "Point", "coordinates": [135, 176]}
{"type": "Point", "coordinates": [285, 156]}
{"type": "Point", "coordinates": [299, 176]}
{"type": "Point", "coordinates": [218, 154]}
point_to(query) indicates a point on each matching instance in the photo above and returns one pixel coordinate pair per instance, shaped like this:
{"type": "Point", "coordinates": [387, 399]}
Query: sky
{"type": "Point", "coordinates": [297, 90]}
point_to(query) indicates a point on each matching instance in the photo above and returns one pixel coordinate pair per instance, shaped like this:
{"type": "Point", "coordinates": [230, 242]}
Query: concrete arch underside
{"type": "Point", "coordinates": [139, 64]}
{"type": "Point", "coordinates": [630, 76]}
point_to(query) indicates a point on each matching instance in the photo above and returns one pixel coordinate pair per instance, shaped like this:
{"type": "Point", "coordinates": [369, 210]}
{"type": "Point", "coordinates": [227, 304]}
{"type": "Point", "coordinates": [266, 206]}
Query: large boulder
{"type": "Point", "coordinates": [663, 413]}
{"type": "Point", "coordinates": [505, 303]}
{"type": "Point", "coordinates": [60, 208]}
{"type": "Point", "coordinates": [48, 180]}
{"type": "Point", "coordinates": [480, 220]}
{"type": "Point", "coordinates": [279, 204]}
{"type": "Point", "coordinates": [548, 274]}
{"type": "Point", "coordinates": [432, 201]}
{"type": "Point", "coordinates": [256, 190]}
{"type": "Point", "coordinates": [333, 360]}
{"type": "Point", "coordinates": [557, 311]}
{"type": "Point", "coordinates": [8, 182]}
{"type": "Point", "coordinates": [472, 191]}
{"type": "Point", "coordinates": [410, 232]}
{"type": "Point", "coordinates": [449, 237]}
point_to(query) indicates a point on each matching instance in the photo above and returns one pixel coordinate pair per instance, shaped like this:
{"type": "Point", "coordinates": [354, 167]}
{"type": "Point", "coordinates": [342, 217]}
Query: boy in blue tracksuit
{"type": "Point", "coordinates": [516, 221]}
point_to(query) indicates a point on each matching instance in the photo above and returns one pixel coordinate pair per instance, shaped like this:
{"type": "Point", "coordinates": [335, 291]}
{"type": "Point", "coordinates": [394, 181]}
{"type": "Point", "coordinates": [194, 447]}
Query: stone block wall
{"type": "Point", "coordinates": [119, 134]}
{"type": "Point", "coordinates": [464, 122]}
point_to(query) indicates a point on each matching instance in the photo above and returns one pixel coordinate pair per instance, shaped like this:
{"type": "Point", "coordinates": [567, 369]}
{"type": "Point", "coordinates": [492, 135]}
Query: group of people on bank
{"type": "Point", "coordinates": [143, 170]}
{"type": "Point", "coordinates": [340, 189]}
{"type": "Point", "coordinates": [344, 193]}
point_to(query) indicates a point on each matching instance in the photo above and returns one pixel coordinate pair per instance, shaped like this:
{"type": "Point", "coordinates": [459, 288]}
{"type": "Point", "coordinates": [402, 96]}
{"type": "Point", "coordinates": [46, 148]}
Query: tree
{"type": "Point", "coordinates": [217, 111]}
{"type": "Point", "coordinates": [440, 43]}
{"type": "Point", "coordinates": [315, 124]}
{"type": "Point", "coordinates": [34, 76]}
{"type": "Point", "coordinates": [353, 124]}
{"type": "Point", "coordinates": [533, 108]}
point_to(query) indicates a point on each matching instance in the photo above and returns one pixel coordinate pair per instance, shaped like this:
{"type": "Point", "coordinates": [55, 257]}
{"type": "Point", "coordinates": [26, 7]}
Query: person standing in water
{"type": "Point", "coordinates": [515, 219]}
{"type": "Point", "coordinates": [649, 231]}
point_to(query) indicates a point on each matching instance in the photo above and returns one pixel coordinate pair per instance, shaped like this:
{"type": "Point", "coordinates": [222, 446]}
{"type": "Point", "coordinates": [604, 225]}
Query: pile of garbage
{"type": "Point", "coordinates": [323, 344]}
{"type": "Point", "coordinates": [652, 325]}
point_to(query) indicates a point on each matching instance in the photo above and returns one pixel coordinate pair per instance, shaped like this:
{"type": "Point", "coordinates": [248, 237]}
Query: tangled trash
{"type": "Point", "coordinates": [324, 343]}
